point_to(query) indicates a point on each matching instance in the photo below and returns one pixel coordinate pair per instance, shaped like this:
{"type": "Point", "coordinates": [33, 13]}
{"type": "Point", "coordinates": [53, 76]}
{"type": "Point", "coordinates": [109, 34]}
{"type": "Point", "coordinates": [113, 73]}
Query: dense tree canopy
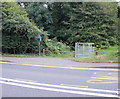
{"type": "Point", "coordinates": [78, 22]}
{"type": "Point", "coordinates": [64, 22]}
{"type": "Point", "coordinates": [18, 33]}
{"type": "Point", "coordinates": [40, 14]}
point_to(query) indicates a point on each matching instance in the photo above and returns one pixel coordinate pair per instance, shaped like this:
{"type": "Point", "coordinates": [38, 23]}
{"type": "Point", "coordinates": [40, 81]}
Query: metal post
{"type": "Point", "coordinates": [73, 53]}
{"type": "Point", "coordinates": [39, 48]}
{"type": "Point", "coordinates": [58, 53]}
{"type": "Point", "coordinates": [75, 49]}
{"type": "Point", "coordinates": [43, 51]}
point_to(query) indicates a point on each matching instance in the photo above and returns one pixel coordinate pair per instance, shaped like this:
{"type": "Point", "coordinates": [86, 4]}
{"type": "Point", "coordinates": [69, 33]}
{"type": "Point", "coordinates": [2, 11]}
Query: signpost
{"type": "Point", "coordinates": [39, 39]}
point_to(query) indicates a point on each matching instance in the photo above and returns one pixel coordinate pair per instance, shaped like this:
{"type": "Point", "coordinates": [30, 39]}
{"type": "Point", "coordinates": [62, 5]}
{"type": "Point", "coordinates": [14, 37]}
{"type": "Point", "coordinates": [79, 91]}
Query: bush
{"type": "Point", "coordinates": [54, 45]}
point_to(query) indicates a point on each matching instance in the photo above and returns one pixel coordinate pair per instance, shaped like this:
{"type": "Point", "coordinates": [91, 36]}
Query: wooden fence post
{"type": "Point", "coordinates": [96, 53]}
{"type": "Point", "coordinates": [43, 51]}
{"type": "Point", "coordinates": [73, 53]}
{"type": "Point", "coordinates": [58, 53]}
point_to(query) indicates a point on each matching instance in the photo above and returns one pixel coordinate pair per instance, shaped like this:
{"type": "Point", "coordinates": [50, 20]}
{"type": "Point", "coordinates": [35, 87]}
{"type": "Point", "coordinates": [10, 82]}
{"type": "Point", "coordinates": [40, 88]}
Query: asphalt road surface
{"type": "Point", "coordinates": [44, 80]}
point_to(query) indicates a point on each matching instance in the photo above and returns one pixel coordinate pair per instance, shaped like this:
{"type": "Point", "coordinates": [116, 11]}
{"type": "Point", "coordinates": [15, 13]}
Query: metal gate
{"type": "Point", "coordinates": [84, 49]}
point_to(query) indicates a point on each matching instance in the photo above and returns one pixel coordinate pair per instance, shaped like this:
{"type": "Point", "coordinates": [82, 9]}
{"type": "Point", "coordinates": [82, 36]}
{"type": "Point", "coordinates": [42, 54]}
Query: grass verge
{"type": "Point", "coordinates": [109, 55]}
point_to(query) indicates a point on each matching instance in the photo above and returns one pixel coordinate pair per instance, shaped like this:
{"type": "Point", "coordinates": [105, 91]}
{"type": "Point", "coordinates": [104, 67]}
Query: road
{"type": "Point", "coordinates": [32, 80]}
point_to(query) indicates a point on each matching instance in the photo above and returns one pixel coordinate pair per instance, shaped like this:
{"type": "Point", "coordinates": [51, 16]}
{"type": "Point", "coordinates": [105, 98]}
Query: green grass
{"type": "Point", "coordinates": [20, 55]}
{"type": "Point", "coordinates": [61, 55]}
{"type": "Point", "coordinates": [52, 55]}
{"type": "Point", "coordinates": [105, 55]}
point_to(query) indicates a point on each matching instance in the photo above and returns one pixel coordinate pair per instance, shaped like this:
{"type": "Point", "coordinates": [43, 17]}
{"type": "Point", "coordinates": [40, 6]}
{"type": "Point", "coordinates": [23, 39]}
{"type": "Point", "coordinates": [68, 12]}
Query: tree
{"type": "Point", "coordinates": [18, 32]}
{"type": "Point", "coordinates": [91, 23]}
{"type": "Point", "coordinates": [77, 22]}
{"type": "Point", "coordinates": [40, 14]}
{"type": "Point", "coordinates": [88, 22]}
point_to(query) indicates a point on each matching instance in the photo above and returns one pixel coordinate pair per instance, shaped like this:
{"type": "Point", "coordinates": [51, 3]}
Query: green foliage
{"type": "Point", "coordinates": [18, 32]}
{"type": "Point", "coordinates": [109, 54]}
{"type": "Point", "coordinates": [78, 22]}
{"type": "Point", "coordinates": [89, 23]}
{"type": "Point", "coordinates": [39, 14]}
{"type": "Point", "coordinates": [54, 45]}
{"type": "Point", "coordinates": [66, 23]}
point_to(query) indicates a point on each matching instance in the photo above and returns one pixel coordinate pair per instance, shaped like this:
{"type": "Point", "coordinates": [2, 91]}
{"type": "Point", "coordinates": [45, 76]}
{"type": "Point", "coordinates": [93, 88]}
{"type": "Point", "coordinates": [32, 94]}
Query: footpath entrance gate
{"type": "Point", "coordinates": [84, 49]}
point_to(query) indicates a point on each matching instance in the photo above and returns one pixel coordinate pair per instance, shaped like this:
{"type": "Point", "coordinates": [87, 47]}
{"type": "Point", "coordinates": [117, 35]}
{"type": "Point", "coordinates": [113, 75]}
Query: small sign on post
{"type": "Point", "coordinates": [39, 39]}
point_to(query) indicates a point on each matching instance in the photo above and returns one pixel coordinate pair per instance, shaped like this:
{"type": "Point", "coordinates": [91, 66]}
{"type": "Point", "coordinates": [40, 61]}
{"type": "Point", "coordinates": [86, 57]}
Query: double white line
{"type": "Point", "coordinates": [60, 88]}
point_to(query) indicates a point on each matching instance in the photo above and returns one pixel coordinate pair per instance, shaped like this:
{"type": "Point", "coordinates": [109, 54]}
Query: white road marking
{"type": "Point", "coordinates": [59, 86]}
{"type": "Point", "coordinates": [58, 90]}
